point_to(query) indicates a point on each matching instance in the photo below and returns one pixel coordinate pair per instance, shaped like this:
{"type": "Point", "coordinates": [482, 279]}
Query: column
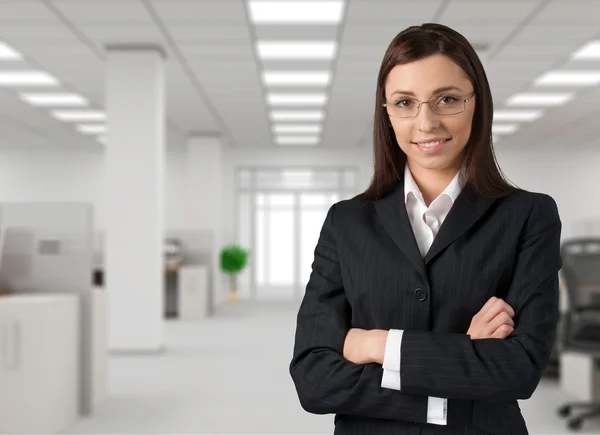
{"type": "Point", "coordinates": [135, 177]}
{"type": "Point", "coordinates": [204, 204]}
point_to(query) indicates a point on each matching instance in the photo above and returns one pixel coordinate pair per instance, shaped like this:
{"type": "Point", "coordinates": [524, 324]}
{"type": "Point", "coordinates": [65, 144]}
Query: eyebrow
{"type": "Point", "coordinates": [437, 91]}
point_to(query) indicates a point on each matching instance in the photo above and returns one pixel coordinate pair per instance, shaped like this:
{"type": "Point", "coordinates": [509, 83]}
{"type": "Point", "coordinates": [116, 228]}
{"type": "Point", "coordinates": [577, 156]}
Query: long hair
{"type": "Point", "coordinates": [483, 176]}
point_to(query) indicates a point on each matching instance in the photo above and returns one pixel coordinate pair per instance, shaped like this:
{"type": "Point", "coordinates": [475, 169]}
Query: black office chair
{"type": "Point", "coordinates": [580, 325]}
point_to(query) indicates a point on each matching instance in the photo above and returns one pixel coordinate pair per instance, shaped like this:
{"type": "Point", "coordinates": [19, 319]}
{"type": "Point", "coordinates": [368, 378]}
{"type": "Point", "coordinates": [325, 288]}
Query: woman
{"type": "Point", "coordinates": [433, 299]}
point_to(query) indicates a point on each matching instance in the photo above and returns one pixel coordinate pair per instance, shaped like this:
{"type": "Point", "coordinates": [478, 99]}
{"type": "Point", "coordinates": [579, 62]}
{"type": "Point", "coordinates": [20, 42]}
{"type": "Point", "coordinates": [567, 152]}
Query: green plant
{"type": "Point", "coordinates": [234, 259]}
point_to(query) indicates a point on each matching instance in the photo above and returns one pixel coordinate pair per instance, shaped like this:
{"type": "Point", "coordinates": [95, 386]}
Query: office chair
{"type": "Point", "coordinates": [580, 325]}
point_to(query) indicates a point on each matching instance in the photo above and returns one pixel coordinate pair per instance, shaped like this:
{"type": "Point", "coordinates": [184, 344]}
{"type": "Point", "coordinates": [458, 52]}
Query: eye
{"type": "Point", "coordinates": [447, 99]}
{"type": "Point", "coordinates": [403, 103]}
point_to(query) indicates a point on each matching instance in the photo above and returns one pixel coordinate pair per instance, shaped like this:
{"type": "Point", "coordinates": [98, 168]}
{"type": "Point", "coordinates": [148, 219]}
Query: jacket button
{"type": "Point", "coordinates": [420, 294]}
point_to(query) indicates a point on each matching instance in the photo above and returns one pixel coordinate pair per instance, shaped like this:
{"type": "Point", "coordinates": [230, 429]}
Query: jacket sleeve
{"type": "Point", "coordinates": [325, 381]}
{"type": "Point", "coordinates": [454, 366]}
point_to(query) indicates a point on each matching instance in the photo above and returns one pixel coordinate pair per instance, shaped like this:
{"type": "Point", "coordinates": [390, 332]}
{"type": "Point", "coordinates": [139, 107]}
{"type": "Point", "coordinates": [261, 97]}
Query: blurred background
{"type": "Point", "coordinates": [165, 169]}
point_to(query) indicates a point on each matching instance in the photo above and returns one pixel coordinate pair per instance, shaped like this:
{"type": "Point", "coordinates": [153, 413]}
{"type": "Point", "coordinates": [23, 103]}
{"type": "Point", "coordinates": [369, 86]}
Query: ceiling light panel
{"type": "Point", "coordinates": [296, 128]}
{"type": "Point", "coordinates": [517, 115]}
{"type": "Point", "coordinates": [27, 78]}
{"type": "Point", "coordinates": [79, 115]}
{"type": "Point", "coordinates": [296, 12]}
{"type": "Point", "coordinates": [92, 128]}
{"type": "Point", "coordinates": [569, 78]}
{"type": "Point", "coordinates": [297, 115]}
{"type": "Point", "coordinates": [297, 140]}
{"type": "Point", "coordinates": [269, 50]}
{"type": "Point", "coordinates": [539, 99]}
{"type": "Point", "coordinates": [53, 99]}
{"type": "Point", "coordinates": [589, 51]}
{"type": "Point", "coordinates": [292, 78]}
{"type": "Point", "coordinates": [281, 99]}
{"type": "Point", "coordinates": [9, 53]}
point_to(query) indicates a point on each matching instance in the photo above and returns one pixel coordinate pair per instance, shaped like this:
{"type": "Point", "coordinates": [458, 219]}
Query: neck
{"type": "Point", "coordinates": [432, 182]}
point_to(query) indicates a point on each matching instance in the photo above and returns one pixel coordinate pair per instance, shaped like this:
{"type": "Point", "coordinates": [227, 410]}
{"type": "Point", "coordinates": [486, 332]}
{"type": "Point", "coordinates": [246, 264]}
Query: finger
{"type": "Point", "coordinates": [502, 318]}
{"type": "Point", "coordinates": [503, 331]}
{"type": "Point", "coordinates": [491, 301]}
{"type": "Point", "coordinates": [509, 309]}
{"type": "Point", "coordinates": [493, 310]}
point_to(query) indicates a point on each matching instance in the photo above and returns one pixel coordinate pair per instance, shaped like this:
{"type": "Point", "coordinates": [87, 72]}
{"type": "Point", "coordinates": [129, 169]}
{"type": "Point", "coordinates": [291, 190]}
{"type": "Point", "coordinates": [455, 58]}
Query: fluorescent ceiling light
{"type": "Point", "coordinates": [540, 99]}
{"type": "Point", "coordinates": [517, 115]}
{"type": "Point", "coordinates": [297, 140]}
{"type": "Point", "coordinates": [50, 99]}
{"type": "Point", "coordinates": [289, 78]}
{"type": "Point", "coordinates": [296, 50]}
{"type": "Point", "coordinates": [296, 128]}
{"type": "Point", "coordinates": [296, 12]}
{"type": "Point", "coordinates": [570, 78]}
{"type": "Point", "coordinates": [79, 115]}
{"type": "Point", "coordinates": [297, 115]}
{"type": "Point", "coordinates": [92, 128]}
{"type": "Point", "coordinates": [27, 78]}
{"type": "Point", "coordinates": [9, 53]}
{"type": "Point", "coordinates": [504, 128]}
{"type": "Point", "coordinates": [589, 51]}
{"type": "Point", "coordinates": [278, 99]}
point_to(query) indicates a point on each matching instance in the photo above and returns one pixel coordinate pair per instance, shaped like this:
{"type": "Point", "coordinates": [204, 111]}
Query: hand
{"type": "Point", "coordinates": [494, 320]}
{"type": "Point", "coordinates": [365, 346]}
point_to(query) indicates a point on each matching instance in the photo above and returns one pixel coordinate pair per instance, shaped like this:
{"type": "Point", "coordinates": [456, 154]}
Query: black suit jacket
{"type": "Point", "coordinates": [368, 273]}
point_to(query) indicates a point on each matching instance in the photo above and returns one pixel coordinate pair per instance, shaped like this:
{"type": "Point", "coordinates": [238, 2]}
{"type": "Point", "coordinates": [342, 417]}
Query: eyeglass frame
{"type": "Point", "coordinates": [431, 105]}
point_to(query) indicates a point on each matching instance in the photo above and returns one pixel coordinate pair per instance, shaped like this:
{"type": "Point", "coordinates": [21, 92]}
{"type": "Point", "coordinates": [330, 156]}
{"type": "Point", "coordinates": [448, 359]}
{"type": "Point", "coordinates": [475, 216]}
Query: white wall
{"type": "Point", "coordinates": [570, 176]}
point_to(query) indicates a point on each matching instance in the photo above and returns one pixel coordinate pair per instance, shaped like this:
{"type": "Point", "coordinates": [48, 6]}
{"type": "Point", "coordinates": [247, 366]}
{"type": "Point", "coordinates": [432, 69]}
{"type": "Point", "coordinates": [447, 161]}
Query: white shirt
{"type": "Point", "coordinates": [425, 222]}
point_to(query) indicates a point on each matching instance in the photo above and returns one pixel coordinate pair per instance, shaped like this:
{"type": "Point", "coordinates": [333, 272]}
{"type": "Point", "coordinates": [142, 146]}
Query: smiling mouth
{"type": "Point", "coordinates": [432, 143]}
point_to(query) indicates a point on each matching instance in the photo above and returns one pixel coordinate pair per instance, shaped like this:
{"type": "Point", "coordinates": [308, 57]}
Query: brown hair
{"type": "Point", "coordinates": [483, 176]}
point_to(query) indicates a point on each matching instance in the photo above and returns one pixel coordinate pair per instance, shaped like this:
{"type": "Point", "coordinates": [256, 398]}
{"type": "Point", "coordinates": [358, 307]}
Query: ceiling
{"type": "Point", "coordinates": [214, 76]}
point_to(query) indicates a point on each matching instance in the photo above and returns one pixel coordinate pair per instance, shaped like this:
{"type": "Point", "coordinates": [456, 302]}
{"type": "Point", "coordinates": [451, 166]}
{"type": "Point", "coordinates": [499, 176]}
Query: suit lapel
{"type": "Point", "coordinates": [465, 212]}
{"type": "Point", "coordinates": [394, 218]}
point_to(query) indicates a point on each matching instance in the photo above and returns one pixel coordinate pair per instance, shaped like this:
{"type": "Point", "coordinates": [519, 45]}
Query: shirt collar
{"type": "Point", "coordinates": [452, 190]}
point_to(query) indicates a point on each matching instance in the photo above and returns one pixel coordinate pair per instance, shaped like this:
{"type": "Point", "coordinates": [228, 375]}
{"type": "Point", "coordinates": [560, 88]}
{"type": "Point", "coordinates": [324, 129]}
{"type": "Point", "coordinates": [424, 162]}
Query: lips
{"type": "Point", "coordinates": [432, 140]}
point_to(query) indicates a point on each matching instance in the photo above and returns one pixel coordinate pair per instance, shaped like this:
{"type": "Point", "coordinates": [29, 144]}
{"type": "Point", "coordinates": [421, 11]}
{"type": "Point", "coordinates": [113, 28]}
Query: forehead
{"type": "Point", "coordinates": [423, 76]}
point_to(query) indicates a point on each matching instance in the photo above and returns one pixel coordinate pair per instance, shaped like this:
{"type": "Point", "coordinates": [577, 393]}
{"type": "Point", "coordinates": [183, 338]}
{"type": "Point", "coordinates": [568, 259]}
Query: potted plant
{"type": "Point", "coordinates": [234, 259]}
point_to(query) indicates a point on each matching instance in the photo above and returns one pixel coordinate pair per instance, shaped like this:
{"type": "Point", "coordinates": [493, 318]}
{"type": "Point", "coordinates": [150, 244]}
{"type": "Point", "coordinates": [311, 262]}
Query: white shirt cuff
{"type": "Point", "coordinates": [437, 410]}
{"type": "Point", "coordinates": [391, 360]}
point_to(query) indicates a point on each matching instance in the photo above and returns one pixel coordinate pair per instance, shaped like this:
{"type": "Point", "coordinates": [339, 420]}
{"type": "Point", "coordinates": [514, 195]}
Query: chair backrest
{"type": "Point", "coordinates": [581, 272]}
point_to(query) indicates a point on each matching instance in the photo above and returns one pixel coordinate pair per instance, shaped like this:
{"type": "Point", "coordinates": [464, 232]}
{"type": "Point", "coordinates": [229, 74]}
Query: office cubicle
{"type": "Point", "coordinates": [196, 248]}
{"type": "Point", "coordinates": [47, 248]}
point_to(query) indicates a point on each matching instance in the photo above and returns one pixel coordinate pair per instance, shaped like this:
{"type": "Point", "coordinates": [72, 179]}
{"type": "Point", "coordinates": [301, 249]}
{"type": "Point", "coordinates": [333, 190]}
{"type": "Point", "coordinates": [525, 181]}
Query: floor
{"type": "Point", "coordinates": [211, 379]}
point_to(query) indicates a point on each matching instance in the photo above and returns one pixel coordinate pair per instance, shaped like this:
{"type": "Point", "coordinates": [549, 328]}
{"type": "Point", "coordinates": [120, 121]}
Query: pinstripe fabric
{"type": "Point", "coordinates": [368, 273]}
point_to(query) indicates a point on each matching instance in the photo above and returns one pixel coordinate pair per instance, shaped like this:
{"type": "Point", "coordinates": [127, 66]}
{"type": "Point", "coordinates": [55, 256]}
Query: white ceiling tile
{"type": "Point", "coordinates": [570, 12]}
{"type": "Point", "coordinates": [487, 11]}
{"type": "Point", "coordinates": [403, 12]}
{"type": "Point", "coordinates": [201, 12]}
{"type": "Point", "coordinates": [551, 34]}
{"type": "Point", "coordinates": [107, 11]}
{"type": "Point", "coordinates": [122, 33]}
{"type": "Point", "coordinates": [26, 11]}
{"type": "Point", "coordinates": [22, 33]}
{"type": "Point", "coordinates": [209, 34]}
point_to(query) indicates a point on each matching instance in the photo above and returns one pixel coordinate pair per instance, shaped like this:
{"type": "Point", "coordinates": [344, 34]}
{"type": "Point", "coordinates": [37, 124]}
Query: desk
{"type": "Point", "coordinates": [39, 362]}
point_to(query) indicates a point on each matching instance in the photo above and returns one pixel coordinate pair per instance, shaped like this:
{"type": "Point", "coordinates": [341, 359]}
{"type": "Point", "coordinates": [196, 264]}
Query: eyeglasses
{"type": "Point", "coordinates": [443, 105]}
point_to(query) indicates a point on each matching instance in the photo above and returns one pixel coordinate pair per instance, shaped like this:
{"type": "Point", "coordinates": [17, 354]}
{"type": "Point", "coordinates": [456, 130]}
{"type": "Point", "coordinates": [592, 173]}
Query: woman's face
{"type": "Point", "coordinates": [419, 137]}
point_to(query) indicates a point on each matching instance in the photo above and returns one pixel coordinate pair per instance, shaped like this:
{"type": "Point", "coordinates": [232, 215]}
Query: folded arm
{"type": "Point", "coordinates": [456, 367]}
{"type": "Point", "coordinates": [325, 381]}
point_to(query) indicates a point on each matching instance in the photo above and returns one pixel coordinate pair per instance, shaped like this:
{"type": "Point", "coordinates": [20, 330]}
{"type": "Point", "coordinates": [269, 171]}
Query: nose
{"type": "Point", "coordinates": [427, 120]}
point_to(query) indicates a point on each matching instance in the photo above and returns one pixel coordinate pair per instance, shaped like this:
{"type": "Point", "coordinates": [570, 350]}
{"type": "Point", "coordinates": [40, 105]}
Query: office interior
{"type": "Point", "coordinates": [141, 138]}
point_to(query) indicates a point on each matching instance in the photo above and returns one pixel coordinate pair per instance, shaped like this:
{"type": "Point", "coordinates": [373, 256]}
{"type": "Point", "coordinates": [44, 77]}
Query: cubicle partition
{"type": "Point", "coordinates": [47, 249]}
{"type": "Point", "coordinates": [197, 251]}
